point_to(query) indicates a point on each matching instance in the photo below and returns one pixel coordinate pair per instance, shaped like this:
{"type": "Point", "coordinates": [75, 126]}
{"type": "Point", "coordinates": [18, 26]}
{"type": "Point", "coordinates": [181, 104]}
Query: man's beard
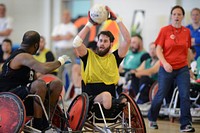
{"type": "Point", "coordinates": [104, 52]}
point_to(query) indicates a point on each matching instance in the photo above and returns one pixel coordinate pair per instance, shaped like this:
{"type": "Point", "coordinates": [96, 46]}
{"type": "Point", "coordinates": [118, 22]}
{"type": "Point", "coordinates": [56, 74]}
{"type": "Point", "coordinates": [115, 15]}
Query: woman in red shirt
{"type": "Point", "coordinates": [172, 46]}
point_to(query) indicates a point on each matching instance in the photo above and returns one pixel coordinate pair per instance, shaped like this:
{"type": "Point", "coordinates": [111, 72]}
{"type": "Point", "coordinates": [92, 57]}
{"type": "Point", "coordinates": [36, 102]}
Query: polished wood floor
{"type": "Point", "coordinates": [165, 126]}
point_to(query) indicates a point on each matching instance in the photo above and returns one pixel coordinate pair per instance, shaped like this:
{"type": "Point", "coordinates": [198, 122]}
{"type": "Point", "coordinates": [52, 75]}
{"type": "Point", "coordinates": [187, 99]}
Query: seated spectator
{"type": "Point", "coordinates": [147, 74]}
{"type": "Point", "coordinates": [44, 55]}
{"type": "Point", "coordinates": [7, 50]}
{"type": "Point", "coordinates": [193, 63]}
{"type": "Point", "coordinates": [135, 56]}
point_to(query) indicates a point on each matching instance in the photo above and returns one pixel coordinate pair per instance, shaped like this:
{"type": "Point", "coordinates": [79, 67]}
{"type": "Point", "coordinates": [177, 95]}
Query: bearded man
{"type": "Point", "coordinates": [100, 69]}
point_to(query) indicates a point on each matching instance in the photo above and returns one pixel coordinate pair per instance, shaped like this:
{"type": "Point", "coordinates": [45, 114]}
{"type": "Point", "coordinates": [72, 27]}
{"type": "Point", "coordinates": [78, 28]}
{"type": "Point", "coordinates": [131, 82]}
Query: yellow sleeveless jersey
{"type": "Point", "coordinates": [100, 69]}
{"type": "Point", "coordinates": [42, 57]}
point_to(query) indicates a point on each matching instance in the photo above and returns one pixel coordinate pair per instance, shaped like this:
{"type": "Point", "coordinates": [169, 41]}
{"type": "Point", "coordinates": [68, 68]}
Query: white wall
{"type": "Point", "coordinates": [42, 15]}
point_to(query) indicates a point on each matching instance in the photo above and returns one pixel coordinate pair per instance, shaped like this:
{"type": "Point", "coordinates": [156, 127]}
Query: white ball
{"type": "Point", "coordinates": [98, 13]}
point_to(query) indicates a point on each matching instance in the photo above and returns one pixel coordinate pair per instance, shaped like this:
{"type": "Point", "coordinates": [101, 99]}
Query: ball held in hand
{"type": "Point", "coordinates": [98, 13]}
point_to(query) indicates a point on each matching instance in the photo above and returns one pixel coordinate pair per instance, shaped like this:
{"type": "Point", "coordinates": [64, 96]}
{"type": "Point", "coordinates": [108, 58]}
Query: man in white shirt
{"type": "Point", "coordinates": [5, 23]}
{"type": "Point", "coordinates": [62, 36]}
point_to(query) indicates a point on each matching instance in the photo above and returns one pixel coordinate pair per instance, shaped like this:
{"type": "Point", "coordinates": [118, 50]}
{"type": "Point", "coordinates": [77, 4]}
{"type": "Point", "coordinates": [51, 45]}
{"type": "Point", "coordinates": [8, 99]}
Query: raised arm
{"type": "Point", "coordinates": [124, 45]}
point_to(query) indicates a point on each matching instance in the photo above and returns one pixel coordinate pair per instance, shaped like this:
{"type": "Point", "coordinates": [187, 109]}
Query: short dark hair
{"type": "Point", "coordinates": [138, 35]}
{"type": "Point", "coordinates": [180, 7]}
{"type": "Point", "coordinates": [31, 38]}
{"type": "Point", "coordinates": [107, 33]}
{"type": "Point", "coordinates": [7, 40]}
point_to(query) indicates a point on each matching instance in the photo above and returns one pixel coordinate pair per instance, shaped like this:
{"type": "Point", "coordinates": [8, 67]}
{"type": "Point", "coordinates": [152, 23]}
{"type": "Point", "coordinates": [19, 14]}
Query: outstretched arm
{"type": "Point", "coordinates": [25, 59]}
{"type": "Point", "coordinates": [124, 46]}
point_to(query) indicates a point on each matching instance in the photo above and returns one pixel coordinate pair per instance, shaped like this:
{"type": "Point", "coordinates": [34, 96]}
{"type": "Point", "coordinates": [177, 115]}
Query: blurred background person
{"type": "Point", "coordinates": [44, 55]}
{"type": "Point", "coordinates": [5, 25]}
{"type": "Point", "coordinates": [195, 30]}
{"type": "Point", "coordinates": [147, 74]}
{"type": "Point", "coordinates": [62, 36]}
{"type": "Point", "coordinates": [7, 50]}
{"type": "Point", "coordinates": [133, 59]}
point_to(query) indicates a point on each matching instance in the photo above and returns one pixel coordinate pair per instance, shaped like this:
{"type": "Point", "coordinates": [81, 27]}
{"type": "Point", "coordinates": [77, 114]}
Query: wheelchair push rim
{"type": "Point", "coordinates": [137, 121]}
{"type": "Point", "coordinates": [78, 111]}
{"type": "Point", "coordinates": [153, 90]}
{"type": "Point", "coordinates": [12, 113]}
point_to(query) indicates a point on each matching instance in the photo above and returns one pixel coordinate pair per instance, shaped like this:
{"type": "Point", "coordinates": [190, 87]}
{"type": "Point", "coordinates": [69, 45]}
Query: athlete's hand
{"type": "Point", "coordinates": [112, 15]}
{"type": "Point", "coordinates": [64, 59]}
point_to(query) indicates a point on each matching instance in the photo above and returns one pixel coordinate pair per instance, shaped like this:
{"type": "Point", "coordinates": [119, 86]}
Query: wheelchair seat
{"type": "Point", "coordinates": [121, 117]}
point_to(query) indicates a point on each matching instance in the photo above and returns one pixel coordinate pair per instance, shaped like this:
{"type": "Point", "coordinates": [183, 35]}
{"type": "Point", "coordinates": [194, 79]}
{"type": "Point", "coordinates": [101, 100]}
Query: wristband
{"type": "Point", "coordinates": [61, 60]}
{"type": "Point", "coordinates": [119, 19]}
{"type": "Point", "coordinates": [89, 24]}
{"type": "Point", "coordinates": [77, 41]}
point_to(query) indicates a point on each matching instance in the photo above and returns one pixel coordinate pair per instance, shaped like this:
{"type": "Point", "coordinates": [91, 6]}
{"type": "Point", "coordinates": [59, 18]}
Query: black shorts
{"type": "Point", "coordinates": [21, 91]}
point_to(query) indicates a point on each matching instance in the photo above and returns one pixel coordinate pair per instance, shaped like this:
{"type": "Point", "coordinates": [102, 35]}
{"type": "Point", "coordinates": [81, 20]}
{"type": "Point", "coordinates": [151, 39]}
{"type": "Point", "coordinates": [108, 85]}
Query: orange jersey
{"type": "Point", "coordinates": [175, 43]}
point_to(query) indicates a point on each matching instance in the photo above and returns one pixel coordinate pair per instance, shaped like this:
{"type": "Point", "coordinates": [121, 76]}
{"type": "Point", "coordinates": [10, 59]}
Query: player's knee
{"type": "Point", "coordinates": [56, 85]}
{"type": "Point", "coordinates": [40, 86]}
{"type": "Point", "coordinates": [107, 100]}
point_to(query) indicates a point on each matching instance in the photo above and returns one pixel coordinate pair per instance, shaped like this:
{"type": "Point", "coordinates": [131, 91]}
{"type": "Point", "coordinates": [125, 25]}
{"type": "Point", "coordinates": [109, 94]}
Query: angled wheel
{"type": "Point", "coordinates": [12, 113]}
{"type": "Point", "coordinates": [78, 111]}
{"type": "Point", "coordinates": [59, 119]}
{"type": "Point", "coordinates": [137, 121]}
{"type": "Point", "coordinates": [153, 90]}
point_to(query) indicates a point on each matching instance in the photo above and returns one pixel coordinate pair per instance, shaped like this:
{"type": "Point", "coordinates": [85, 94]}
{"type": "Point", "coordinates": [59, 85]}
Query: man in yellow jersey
{"type": "Point", "coordinates": [99, 69]}
{"type": "Point", "coordinates": [44, 55]}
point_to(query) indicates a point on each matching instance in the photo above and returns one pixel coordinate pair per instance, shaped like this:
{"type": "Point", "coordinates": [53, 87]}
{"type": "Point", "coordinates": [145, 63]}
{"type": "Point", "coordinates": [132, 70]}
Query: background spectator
{"type": "Point", "coordinates": [44, 55]}
{"type": "Point", "coordinates": [62, 36]}
{"type": "Point", "coordinates": [7, 50]}
{"type": "Point", "coordinates": [135, 56]}
{"type": "Point", "coordinates": [5, 24]}
{"type": "Point", "coordinates": [195, 30]}
{"type": "Point", "coordinates": [172, 46]}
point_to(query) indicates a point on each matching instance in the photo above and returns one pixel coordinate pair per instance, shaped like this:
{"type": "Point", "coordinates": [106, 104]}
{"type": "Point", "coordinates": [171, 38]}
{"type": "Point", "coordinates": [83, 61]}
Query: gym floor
{"type": "Point", "coordinates": [165, 126]}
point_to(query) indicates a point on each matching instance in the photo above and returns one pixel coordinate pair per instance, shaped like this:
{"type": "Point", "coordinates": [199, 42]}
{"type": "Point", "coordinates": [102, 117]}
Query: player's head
{"type": "Point", "coordinates": [7, 46]}
{"type": "Point", "coordinates": [2, 10]}
{"type": "Point", "coordinates": [105, 42]}
{"type": "Point", "coordinates": [136, 44]}
{"type": "Point", "coordinates": [31, 39]}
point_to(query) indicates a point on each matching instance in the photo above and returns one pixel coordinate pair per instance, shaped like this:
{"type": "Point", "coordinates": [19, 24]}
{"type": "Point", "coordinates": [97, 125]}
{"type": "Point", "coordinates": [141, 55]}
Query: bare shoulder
{"type": "Point", "coordinates": [20, 60]}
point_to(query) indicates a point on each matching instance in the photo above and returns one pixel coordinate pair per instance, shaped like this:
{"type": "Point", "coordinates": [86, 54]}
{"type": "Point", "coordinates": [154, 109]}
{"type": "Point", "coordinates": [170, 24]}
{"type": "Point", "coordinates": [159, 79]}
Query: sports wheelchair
{"type": "Point", "coordinates": [80, 116]}
{"type": "Point", "coordinates": [15, 118]}
{"type": "Point", "coordinates": [122, 117]}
